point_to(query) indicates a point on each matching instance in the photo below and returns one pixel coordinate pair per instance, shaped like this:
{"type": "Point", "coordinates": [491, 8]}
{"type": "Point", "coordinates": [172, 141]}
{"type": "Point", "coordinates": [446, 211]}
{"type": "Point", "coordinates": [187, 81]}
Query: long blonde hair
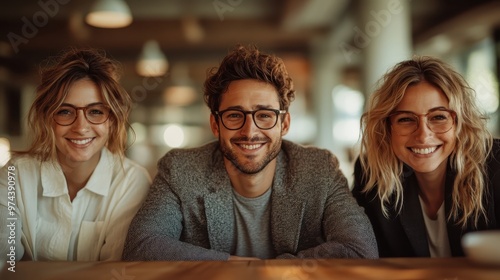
{"type": "Point", "coordinates": [383, 170]}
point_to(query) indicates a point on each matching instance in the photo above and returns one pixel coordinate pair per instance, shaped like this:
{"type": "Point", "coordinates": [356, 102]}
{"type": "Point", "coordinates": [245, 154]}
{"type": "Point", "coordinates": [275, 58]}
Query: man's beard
{"type": "Point", "coordinates": [253, 168]}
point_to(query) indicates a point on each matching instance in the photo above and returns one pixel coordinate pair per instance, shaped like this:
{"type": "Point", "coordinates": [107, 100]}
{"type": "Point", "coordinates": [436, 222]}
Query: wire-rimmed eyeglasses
{"type": "Point", "coordinates": [234, 119]}
{"type": "Point", "coordinates": [94, 113]}
{"type": "Point", "coordinates": [439, 120]}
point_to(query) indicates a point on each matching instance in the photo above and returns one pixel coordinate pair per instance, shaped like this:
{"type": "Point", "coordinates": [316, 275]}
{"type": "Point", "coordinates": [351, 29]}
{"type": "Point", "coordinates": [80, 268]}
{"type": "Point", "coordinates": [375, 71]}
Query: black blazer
{"type": "Point", "coordinates": [404, 235]}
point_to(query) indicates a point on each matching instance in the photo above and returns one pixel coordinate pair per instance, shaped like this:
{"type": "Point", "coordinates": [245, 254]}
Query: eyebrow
{"type": "Point", "coordinates": [257, 107]}
{"type": "Point", "coordinates": [428, 111]}
{"type": "Point", "coordinates": [90, 104]}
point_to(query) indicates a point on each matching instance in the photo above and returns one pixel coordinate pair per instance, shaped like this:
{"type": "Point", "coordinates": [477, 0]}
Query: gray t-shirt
{"type": "Point", "coordinates": [253, 226]}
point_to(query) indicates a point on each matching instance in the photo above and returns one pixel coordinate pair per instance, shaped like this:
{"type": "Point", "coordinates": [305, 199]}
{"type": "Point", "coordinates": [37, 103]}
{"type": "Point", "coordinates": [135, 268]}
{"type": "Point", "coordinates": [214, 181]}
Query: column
{"type": "Point", "coordinates": [383, 34]}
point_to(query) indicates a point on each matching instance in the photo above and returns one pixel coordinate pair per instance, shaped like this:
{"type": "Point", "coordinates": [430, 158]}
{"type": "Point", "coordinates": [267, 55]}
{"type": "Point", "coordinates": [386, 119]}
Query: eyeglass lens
{"type": "Point", "coordinates": [405, 123]}
{"type": "Point", "coordinates": [95, 114]}
{"type": "Point", "coordinates": [263, 119]}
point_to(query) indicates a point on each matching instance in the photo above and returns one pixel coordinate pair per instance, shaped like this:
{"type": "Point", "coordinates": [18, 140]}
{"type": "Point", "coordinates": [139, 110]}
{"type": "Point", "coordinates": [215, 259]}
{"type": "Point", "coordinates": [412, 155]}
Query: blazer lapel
{"type": "Point", "coordinates": [454, 230]}
{"type": "Point", "coordinates": [412, 220]}
{"type": "Point", "coordinates": [286, 213]}
{"type": "Point", "coordinates": [286, 221]}
{"type": "Point", "coordinates": [220, 220]}
{"type": "Point", "coordinates": [219, 207]}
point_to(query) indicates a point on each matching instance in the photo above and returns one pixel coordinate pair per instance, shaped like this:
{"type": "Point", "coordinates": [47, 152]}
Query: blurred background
{"type": "Point", "coordinates": [335, 51]}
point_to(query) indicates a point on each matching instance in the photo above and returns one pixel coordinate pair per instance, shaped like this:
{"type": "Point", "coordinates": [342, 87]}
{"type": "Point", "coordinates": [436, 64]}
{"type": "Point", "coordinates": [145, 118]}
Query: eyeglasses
{"type": "Point", "coordinates": [95, 114]}
{"type": "Point", "coordinates": [234, 119]}
{"type": "Point", "coordinates": [440, 120]}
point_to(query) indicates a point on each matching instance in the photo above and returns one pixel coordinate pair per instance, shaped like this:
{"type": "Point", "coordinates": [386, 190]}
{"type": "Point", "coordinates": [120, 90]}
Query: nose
{"type": "Point", "coordinates": [423, 131]}
{"type": "Point", "coordinates": [81, 123]}
{"type": "Point", "coordinates": [249, 126]}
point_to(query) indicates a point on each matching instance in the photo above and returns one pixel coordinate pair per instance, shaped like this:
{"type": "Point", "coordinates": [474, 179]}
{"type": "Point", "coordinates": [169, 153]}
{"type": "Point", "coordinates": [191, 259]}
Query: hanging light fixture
{"type": "Point", "coordinates": [109, 14]}
{"type": "Point", "coordinates": [181, 91]}
{"type": "Point", "coordinates": [152, 62]}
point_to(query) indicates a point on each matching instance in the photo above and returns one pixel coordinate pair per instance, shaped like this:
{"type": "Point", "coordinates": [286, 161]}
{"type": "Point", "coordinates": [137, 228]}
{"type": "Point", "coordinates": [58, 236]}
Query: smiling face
{"type": "Point", "coordinates": [82, 141]}
{"type": "Point", "coordinates": [249, 148]}
{"type": "Point", "coordinates": [423, 150]}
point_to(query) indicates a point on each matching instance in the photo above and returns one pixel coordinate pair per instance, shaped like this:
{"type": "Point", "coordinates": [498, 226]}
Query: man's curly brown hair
{"type": "Point", "coordinates": [248, 63]}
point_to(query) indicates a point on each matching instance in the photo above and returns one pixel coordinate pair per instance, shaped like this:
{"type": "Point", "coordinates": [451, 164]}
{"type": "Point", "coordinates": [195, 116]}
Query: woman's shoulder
{"type": "Point", "coordinates": [136, 168]}
{"type": "Point", "coordinates": [128, 179]}
{"type": "Point", "coordinates": [126, 166]}
{"type": "Point", "coordinates": [23, 162]}
{"type": "Point", "coordinates": [496, 145]}
{"type": "Point", "coordinates": [493, 161]}
{"type": "Point", "coordinates": [27, 172]}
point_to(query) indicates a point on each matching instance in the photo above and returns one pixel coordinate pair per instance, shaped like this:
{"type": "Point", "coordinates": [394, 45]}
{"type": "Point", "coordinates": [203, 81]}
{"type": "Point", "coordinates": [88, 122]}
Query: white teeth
{"type": "Point", "coordinates": [81, 142]}
{"type": "Point", "coordinates": [250, 147]}
{"type": "Point", "coordinates": [424, 151]}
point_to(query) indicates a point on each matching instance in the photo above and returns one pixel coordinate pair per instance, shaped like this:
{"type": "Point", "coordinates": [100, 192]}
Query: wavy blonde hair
{"type": "Point", "coordinates": [56, 81]}
{"type": "Point", "coordinates": [383, 170]}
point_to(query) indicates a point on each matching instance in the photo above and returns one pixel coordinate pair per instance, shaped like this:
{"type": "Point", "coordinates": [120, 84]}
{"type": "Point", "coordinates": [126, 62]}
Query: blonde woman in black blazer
{"type": "Point", "coordinates": [429, 170]}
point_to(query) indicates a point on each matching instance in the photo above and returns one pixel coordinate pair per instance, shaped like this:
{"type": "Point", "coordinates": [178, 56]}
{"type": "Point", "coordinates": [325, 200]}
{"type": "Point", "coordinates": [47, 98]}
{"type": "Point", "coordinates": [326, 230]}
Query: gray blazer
{"type": "Point", "coordinates": [188, 214]}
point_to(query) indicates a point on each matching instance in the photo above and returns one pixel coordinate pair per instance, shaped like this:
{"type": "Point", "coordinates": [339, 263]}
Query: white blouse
{"type": "Point", "coordinates": [46, 225]}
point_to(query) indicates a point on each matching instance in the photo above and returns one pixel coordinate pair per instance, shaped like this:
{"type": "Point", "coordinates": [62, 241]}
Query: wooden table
{"type": "Point", "coordinates": [397, 268]}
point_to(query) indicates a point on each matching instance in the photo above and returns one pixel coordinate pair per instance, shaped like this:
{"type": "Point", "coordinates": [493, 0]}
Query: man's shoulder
{"type": "Point", "coordinates": [308, 159]}
{"type": "Point", "coordinates": [307, 167]}
{"type": "Point", "coordinates": [303, 151]}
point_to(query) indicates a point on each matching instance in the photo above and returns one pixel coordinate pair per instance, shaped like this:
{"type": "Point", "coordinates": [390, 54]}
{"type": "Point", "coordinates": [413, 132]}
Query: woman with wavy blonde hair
{"type": "Point", "coordinates": [73, 193]}
{"type": "Point", "coordinates": [427, 164]}
{"type": "Point", "coordinates": [57, 79]}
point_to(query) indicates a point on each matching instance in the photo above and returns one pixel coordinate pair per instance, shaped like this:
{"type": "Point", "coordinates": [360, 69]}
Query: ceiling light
{"type": "Point", "coordinates": [152, 61]}
{"type": "Point", "coordinates": [179, 95]}
{"type": "Point", "coordinates": [109, 14]}
{"type": "Point", "coordinates": [193, 31]}
{"type": "Point", "coordinates": [181, 92]}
